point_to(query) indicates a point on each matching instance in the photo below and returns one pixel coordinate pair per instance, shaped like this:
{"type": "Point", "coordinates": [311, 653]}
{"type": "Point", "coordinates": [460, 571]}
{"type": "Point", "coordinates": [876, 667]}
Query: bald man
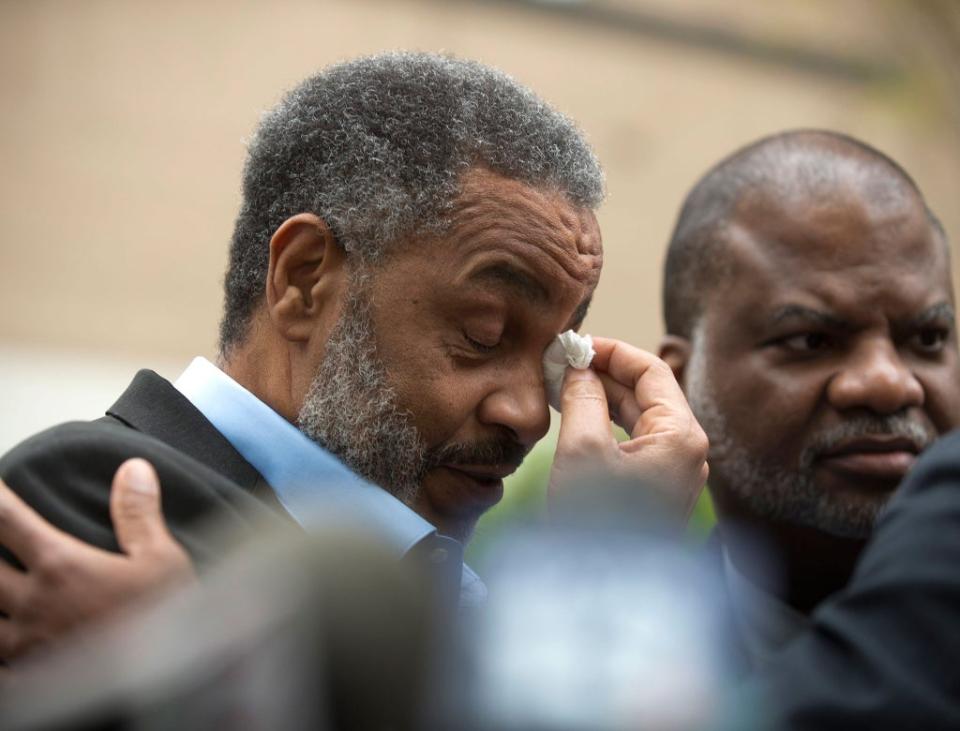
{"type": "Point", "coordinates": [810, 320]}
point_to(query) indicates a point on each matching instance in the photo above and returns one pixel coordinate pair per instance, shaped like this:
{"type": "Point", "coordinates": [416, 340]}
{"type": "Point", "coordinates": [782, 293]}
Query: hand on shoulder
{"type": "Point", "coordinates": [66, 583]}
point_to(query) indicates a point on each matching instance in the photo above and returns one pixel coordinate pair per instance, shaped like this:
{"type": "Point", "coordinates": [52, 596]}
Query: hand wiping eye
{"type": "Point", "coordinates": [568, 349]}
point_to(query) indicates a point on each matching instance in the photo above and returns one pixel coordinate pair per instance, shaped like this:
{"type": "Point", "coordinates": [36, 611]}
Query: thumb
{"type": "Point", "coordinates": [584, 416]}
{"type": "Point", "coordinates": [135, 507]}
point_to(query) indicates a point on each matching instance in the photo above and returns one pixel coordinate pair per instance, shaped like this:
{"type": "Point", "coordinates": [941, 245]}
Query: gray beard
{"type": "Point", "coordinates": [351, 410]}
{"type": "Point", "coordinates": [771, 492]}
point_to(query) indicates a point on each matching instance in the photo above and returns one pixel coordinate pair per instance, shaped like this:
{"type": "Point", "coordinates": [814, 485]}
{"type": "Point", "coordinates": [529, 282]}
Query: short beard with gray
{"type": "Point", "coordinates": [351, 410]}
{"type": "Point", "coordinates": [772, 492]}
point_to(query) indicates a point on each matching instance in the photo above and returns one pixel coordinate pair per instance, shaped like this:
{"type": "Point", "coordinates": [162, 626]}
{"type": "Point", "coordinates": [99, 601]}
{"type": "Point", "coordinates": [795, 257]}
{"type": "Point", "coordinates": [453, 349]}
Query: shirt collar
{"type": "Point", "coordinates": [308, 480]}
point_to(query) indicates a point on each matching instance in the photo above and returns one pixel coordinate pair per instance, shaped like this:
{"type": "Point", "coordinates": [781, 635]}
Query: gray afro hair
{"type": "Point", "coordinates": [376, 147]}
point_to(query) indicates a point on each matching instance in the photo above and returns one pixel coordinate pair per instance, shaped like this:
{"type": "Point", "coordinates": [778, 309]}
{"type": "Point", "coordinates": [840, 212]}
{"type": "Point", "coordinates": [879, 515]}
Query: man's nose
{"type": "Point", "coordinates": [518, 404]}
{"type": "Point", "coordinates": [876, 378]}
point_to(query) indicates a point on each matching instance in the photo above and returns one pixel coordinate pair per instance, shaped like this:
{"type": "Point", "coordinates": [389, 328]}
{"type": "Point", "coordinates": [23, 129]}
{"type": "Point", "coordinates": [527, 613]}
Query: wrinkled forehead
{"type": "Point", "coordinates": [835, 255]}
{"type": "Point", "coordinates": [495, 211]}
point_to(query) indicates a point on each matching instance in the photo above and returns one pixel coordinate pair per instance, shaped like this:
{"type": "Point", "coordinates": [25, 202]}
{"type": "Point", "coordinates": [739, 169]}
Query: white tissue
{"type": "Point", "coordinates": [569, 349]}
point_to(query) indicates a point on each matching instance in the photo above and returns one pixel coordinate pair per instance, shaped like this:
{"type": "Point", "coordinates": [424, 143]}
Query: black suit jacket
{"type": "Point", "coordinates": [884, 653]}
{"type": "Point", "coordinates": [65, 472]}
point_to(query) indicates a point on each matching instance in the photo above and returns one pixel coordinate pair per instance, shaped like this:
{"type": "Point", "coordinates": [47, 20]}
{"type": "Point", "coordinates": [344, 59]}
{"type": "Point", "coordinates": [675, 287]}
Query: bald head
{"type": "Point", "coordinates": [796, 168]}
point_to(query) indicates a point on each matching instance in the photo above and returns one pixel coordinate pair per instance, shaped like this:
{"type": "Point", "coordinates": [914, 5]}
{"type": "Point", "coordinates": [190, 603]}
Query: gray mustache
{"type": "Point", "coordinates": [900, 426]}
{"type": "Point", "coordinates": [491, 452]}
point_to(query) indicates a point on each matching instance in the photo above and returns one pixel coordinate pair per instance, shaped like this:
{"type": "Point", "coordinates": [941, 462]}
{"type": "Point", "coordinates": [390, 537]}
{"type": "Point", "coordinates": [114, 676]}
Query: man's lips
{"type": "Point", "coordinates": [476, 485]}
{"type": "Point", "coordinates": [877, 457]}
{"type": "Point", "coordinates": [484, 473]}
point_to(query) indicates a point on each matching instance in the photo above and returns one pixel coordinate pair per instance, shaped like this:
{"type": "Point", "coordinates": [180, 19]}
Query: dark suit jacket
{"type": "Point", "coordinates": [65, 472]}
{"type": "Point", "coordinates": [884, 653]}
{"type": "Point", "coordinates": [730, 642]}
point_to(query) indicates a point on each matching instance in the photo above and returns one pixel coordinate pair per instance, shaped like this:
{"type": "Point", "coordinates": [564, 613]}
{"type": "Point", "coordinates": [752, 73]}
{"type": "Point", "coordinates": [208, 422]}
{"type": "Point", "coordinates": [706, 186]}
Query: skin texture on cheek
{"type": "Point", "coordinates": [410, 340]}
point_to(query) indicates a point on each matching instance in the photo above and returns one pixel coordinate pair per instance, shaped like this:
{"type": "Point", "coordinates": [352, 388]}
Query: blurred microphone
{"type": "Point", "coordinates": [602, 620]}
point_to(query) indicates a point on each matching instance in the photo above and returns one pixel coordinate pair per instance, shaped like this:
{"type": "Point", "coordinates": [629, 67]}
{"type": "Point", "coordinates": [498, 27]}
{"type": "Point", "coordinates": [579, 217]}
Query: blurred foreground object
{"type": "Point", "coordinates": [590, 632]}
{"type": "Point", "coordinates": [327, 632]}
{"type": "Point", "coordinates": [602, 620]}
{"type": "Point", "coordinates": [599, 621]}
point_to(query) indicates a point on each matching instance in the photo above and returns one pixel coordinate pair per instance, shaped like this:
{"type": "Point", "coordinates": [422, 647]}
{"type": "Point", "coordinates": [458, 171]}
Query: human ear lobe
{"type": "Point", "coordinates": [675, 352]}
{"type": "Point", "coordinates": [306, 274]}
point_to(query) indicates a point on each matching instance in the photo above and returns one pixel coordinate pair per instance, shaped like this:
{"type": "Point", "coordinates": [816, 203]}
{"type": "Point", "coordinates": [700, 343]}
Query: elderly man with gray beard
{"type": "Point", "coordinates": [810, 320]}
{"type": "Point", "coordinates": [414, 232]}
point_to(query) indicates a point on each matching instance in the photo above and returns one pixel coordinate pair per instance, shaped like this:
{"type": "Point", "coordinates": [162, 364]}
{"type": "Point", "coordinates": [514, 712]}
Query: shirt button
{"type": "Point", "coordinates": [438, 555]}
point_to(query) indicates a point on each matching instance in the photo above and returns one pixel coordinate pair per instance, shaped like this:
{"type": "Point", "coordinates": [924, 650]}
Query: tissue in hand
{"type": "Point", "coordinates": [569, 349]}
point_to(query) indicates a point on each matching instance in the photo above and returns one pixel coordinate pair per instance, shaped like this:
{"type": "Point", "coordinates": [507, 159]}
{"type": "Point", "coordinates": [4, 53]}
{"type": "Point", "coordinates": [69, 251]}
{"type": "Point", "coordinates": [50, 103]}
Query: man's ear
{"type": "Point", "coordinates": [675, 351]}
{"type": "Point", "coordinates": [307, 274]}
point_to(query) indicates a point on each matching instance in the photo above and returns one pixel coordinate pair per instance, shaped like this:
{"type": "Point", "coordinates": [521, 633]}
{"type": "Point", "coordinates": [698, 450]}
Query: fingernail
{"type": "Point", "coordinates": [140, 477]}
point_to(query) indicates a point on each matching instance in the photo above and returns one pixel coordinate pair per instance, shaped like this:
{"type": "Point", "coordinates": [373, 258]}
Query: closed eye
{"type": "Point", "coordinates": [478, 346]}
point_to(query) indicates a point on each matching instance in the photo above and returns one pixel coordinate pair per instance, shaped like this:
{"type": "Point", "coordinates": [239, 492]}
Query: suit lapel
{"type": "Point", "coordinates": [153, 406]}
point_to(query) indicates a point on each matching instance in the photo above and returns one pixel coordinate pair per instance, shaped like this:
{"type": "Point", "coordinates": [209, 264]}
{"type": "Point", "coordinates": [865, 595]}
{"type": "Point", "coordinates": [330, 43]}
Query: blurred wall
{"type": "Point", "coordinates": [123, 125]}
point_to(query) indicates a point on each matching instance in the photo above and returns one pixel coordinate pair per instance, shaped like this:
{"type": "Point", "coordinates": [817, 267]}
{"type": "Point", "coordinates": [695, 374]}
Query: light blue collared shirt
{"type": "Point", "coordinates": [307, 479]}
